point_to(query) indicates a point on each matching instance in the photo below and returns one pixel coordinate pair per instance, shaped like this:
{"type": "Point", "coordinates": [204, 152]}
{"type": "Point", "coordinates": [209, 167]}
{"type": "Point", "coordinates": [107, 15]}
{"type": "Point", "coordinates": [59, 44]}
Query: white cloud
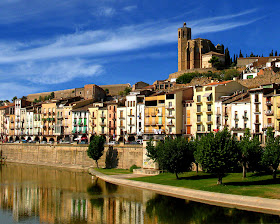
{"type": "Point", "coordinates": [106, 11]}
{"type": "Point", "coordinates": [53, 72]}
{"type": "Point", "coordinates": [112, 41]}
{"type": "Point", "coordinates": [130, 8]}
{"type": "Point", "coordinates": [10, 89]}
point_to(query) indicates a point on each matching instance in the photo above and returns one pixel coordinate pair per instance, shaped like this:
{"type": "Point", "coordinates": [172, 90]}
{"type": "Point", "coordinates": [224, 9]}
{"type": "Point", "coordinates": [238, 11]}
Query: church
{"type": "Point", "coordinates": [196, 53]}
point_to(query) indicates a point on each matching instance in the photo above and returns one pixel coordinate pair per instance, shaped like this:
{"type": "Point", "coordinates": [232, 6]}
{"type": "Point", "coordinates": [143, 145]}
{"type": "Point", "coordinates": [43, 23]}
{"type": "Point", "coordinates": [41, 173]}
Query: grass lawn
{"type": "Point", "coordinates": [233, 183]}
{"type": "Point", "coordinates": [112, 171]}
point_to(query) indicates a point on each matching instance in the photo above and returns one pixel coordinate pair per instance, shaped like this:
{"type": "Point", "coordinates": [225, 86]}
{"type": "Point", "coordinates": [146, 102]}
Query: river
{"type": "Point", "coordinates": [37, 194]}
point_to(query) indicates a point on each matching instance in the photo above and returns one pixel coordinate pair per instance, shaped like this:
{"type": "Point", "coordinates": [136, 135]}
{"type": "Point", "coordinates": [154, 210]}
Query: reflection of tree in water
{"type": "Point", "coordinates": [172, 210]}
{"type": "Point", "coordinates": [111, 188]}
{"type": "Point", "coordinates": [96, 190]}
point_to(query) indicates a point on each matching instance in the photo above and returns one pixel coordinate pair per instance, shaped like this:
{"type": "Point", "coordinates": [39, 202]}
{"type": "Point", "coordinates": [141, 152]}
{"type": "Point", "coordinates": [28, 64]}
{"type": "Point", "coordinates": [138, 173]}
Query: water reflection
{"type": "Point", "coordinates": [50, 195]}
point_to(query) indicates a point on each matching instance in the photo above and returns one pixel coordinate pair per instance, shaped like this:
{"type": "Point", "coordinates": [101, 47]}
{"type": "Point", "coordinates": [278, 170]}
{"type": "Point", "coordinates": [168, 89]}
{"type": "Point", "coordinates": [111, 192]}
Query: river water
{"type": "Point", "coordinates": [37, 194]}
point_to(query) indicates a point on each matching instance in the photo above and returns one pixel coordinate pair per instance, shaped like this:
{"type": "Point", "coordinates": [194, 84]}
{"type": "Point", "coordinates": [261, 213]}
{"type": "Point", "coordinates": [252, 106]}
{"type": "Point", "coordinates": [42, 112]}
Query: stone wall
{"type": "Point", "coordinates": [123, 156]}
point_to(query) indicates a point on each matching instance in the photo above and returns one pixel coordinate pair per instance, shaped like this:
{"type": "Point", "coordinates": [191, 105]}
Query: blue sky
{"type": "Point", "coordinates": [52, 45]}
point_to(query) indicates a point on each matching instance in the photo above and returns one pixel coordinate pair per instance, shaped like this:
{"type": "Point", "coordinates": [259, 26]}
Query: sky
{"type": "Point", "coordinates": [54, 45]}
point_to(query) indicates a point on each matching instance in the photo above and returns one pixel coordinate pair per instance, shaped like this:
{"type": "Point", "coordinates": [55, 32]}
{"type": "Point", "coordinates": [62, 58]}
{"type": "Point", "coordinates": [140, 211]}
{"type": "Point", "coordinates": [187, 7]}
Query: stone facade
{"type": "Point", "coordinates": [190, 51]}
{"type": "Point", "coordinates": [123, 156]}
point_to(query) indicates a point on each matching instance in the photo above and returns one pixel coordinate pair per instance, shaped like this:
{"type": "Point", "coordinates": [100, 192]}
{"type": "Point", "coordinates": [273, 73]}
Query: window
{"type": "Point", "coordinates": [199, 127]}
{"type": "Point", "coordinates": [169, 104]}
{"type": "Point", "coordinates": [245, 125]}
{"type": "Point", "coordinates": [198, 118]}
{"type": "Point", "coordinates": [170, 130]}
{"type": "Point", "coordinates": [209, 107]}
{"type": "Point", "coordinates": [198, 98]}
{"type": "Point", "coordinates": [245, 114]}
{"type": "Point", "coordinates": [235, 115]}
{"type": "Point", "coordinates": [209, 117]}
{"type": "Point", "coordinates": [236, 124]}
{"type": "Point", "coordinates": [198, 108]}
{"type": "Point", "coordinates": [170, 113]}
{"type": "Point", "coordinates": [209, 127]}
{"type": "Point", "coordinates": [256, 98]}
{"type": "Point", "coordinates": [133, 104]}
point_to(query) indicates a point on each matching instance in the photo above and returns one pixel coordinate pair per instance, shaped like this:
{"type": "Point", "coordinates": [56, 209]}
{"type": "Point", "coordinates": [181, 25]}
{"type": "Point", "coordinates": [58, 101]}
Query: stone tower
{"type": "Point", "coordinates": [184, 34]}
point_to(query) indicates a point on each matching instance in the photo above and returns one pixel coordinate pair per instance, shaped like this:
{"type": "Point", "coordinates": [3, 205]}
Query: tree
{"type": "Point", "coordinates": [271, 155]}
{"type": "Point", "coordinates": [276, 53]}
{"type": "Point", "coordinates": [40, 98]}
{"type": "Point", "coordinates": [52, 95]}
{"type": "Point", "coordinates": [229, 74]}
{"type": "Point", "coordinates": [227, 58]}
{"type": "Point", "coordinates": [96, 148]}
{"type": "Point", "coordinates": [127, 90]}
{"type": "Point", "coordinates": [14, 98]}
{"type": "Point", "coordinates": [217, 154]}
{"type": "Point", "coordinates": [271, 53]}
{"type": "Point", "coordinates": [251, 152]}
{"type": "Point", "coordinates": [106, 91]}
{"type": "Point", "coordinates": [35, 100]}
{"type": "Point", "coordinates": [215, 61]}
{"type": "Point", "coordinates": [173, 155]}
{"type": "Point", "coordinates": [240, 54]}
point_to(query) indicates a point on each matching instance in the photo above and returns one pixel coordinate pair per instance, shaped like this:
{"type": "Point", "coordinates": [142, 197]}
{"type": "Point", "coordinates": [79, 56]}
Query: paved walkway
{"type": "Point", "coordinates": [256, 204]}
{"type": "Point", "coordinates": [128, 176]}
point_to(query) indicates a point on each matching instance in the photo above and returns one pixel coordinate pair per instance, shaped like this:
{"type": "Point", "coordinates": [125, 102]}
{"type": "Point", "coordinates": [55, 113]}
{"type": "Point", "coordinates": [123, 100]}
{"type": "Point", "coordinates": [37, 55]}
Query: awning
{"type": "Point", "coordinates": [207, 94]}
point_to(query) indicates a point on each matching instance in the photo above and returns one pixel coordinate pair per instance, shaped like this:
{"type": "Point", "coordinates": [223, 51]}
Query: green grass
{"type": "Point", "coordinates": [112, 171]}
{"type": "Point", "coordinates": [233, 183]}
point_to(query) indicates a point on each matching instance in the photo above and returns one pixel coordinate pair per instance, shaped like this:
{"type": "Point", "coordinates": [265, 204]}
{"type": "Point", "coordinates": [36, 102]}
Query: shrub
{"type": "Point", "coordinates": [133, 167]}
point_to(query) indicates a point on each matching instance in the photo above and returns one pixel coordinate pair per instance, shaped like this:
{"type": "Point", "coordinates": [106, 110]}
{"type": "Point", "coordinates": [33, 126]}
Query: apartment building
{"type": "Point", "coordinates": [48, 120]}
{"type": "Point", "coordinates": [174, 110]}
{"type": "Point", "coordinates": [122, 124]}
{"type": "Point", "coordinates": [112, 119]}
{"type": "Point", "coordinates": [208, 105]}
{"type": "Point", "coordinates": [80, 122]}
{"type": "Point", "coordinates": [154, 126]}
{"type": "Point", "coordinates": [188, 117]}
{"type": "Point", "coordinates": [239, 113]}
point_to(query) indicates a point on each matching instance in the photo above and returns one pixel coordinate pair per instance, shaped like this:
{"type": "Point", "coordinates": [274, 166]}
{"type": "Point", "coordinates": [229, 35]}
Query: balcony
{"type": "Point", "coordinates": [103, 116]}
{"type": "Point", "coordinates": [269, 113]}
{"type": "Point", "coordinates": [238, 129]}
{"type": "Point", "coordinates": [131, 124]}
{"type": "Point", "coordinates": [153, 114]}
{"type": "Point", "coordinates": [199, 112]}
{"type": "Point", "coordinates": [209, 112]}
{"type": "Point", "coordinates": [102, 124]}
{"type": "Point", "coordinates": [257, 122]}
{"type": "Point", "coordinates": [121, 118]}
{"type": "Point", "coordinates": [218, 114]}
{"type": "Point", "coordinates": [170, 116]}
{"type": "Point", "coordinates": [147, 115]}
{"type": "Point", "coordinates": [131, 115]}
{"type": "Point", "coordinates": [268, 126]}
{"type": "Point", "coordinates": [236, 119]}
{"type": "Point", "coordinates": [93, 125]}
{"type": "Point", "coordinates": [159, 114]}
{"type": "Point", "coordinates": [257, 112]}
{"type": "Point", "coordinates": [245, 117]}
{"type": "Point", "coordinates": [170, 107]}
{"type": "Point", "coordinates": [200, 102]}
{"type": "Point", "coordinates": [257, 101]}
{"type": "Point", "coordinates": [159, 124]}
{"type": "Point", "coordinates": [209, 122]}
{"type": "Point", "coordinates": [170, 124]}
{"type": "Point", "coordinates": [268, 103]}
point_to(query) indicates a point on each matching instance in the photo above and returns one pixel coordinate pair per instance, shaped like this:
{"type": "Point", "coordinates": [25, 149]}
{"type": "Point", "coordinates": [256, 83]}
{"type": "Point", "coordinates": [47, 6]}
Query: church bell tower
{"type": "Point", "coordinates": [184, 34]}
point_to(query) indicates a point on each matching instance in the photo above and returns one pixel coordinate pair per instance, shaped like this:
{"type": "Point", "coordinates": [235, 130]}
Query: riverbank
{"type": "Point", "coordinates": [256, 204]}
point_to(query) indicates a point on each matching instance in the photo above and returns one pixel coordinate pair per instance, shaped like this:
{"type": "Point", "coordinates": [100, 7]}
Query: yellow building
{"type": "Point", "coordinates": [154, 115]}
{"type": "Point", "coordinates": [208, 105]}
{"type": "Point", "coordinates": [174, 110]}
{"type": "Point", "coordinates": [98, 115]}
{"type": "Point", "coordinates": [48, 121]}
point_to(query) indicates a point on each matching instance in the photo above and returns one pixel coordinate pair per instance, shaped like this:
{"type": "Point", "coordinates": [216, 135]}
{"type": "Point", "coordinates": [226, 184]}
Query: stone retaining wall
{"type": "Point", "coordinates": [123, 156]}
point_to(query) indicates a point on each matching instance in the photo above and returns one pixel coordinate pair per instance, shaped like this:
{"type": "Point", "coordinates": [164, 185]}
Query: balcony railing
{"type": "Point", "coordinates": [269, 113]}
{"type": "Point", "coordinates": [269, 126]}
{"type": "Point", "coordinates": [102, 124]}
{"type": "Point", "coordinates": [170, 124]}
{"type": "Point", "coordinates": [269, 103]}
{"type": "Point", "coordinates": [121, 118]}
{"type": "Point", "coordinates": [245, 117]}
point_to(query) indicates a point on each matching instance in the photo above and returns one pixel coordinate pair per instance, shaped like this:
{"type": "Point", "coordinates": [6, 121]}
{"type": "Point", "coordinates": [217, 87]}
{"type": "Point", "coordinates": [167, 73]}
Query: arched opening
{"type": "Point", "coordinates": [29, 139]}
{"type": "Point", "coordinates": [59, 138]}
{"type": "Point", "coordinates": [131, 138]}
{"type": "Point", "coordinates": [44, 139]}
{"type": "Point", "coordinates": [17, 138]}
{"type": "Point", "coordinates": [11, 139]}
{"type": "Point", "coordinates": [120, 139]}
{"type": "Point", "coordinates": [67, 138]}
{"type": "Point", "coordinates": [37, 139]}
{"type": "Point", "coordinates": [22, 138]}
{"type": "Point", "coordinates": [179, 35]}
{"type": "Point", "coordinates": [51, 140]}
